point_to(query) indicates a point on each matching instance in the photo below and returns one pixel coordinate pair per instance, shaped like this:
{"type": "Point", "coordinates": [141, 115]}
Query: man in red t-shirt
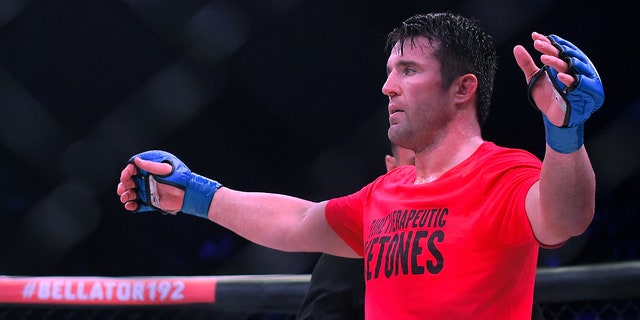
{"type": "Point", "coordinates": [455, 236]}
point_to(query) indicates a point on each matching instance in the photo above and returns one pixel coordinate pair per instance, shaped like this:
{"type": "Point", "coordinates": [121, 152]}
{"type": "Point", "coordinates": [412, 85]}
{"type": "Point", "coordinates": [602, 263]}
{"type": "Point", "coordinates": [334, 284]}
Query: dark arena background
{"type": "Point", "coordinates": [268, 95]}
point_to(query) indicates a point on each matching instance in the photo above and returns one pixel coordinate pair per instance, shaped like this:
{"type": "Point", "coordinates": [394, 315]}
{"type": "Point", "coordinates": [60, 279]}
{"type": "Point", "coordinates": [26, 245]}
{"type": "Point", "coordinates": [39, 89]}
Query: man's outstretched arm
{"type": "Point", "coordinates": [159, 181]}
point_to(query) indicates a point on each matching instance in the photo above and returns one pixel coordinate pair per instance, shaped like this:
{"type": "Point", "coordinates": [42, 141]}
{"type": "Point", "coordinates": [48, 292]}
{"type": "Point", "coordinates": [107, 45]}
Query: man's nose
{"type": "Point", "coordinates": [390, 87]}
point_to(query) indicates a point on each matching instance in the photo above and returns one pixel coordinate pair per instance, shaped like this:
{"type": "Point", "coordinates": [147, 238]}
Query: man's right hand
{"type": "Point", "coordinates": [171, 196]}
{"type": "Point", "coordinates": [157, 180]}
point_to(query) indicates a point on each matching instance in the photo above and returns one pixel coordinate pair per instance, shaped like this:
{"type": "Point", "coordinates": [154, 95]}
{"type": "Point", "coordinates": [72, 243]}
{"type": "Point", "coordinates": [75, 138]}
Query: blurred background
{"type": "Point", "coordinates": [261, 95]}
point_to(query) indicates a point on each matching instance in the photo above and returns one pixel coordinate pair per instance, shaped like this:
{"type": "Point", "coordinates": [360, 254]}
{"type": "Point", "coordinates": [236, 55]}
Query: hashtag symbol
{"type": "Point", "coordinates": [28, 290]}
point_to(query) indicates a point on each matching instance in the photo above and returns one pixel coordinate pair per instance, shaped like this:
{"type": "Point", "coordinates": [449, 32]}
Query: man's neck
{"type": "Point", "coordinates": [432, 163]}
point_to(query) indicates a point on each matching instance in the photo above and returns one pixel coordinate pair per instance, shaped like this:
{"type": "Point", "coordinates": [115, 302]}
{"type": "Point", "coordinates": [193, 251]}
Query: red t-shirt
{"type": "Point", "coordinates": [460, 247]}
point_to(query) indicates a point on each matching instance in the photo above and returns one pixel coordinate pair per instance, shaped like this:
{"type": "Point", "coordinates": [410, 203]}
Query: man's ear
{"type": "Point", "coordinates": [390, 162]}
{"type": "Point", "coordinates": [466, 86]}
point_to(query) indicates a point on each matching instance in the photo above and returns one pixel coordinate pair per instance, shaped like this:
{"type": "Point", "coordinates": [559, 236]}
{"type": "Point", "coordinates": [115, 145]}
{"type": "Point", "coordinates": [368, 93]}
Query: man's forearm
{"type": "Point", "coordinates": [567, 191]}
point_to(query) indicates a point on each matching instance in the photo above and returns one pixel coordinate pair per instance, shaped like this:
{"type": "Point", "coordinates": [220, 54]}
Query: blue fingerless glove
{"type": "Point", "coordinates": [199, 190]}
{"type": "Point", "coordinates": [582, 98]}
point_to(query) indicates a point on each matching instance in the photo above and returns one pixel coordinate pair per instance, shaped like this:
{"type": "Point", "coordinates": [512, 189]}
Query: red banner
{"type": "Point", "coordinates": [107, 291]}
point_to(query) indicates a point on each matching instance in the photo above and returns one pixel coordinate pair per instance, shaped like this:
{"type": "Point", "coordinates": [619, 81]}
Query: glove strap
{"type": "Point", "coordinates": [560, 93]}
{"type": "Point", "coordinates": [198, 195]}
{"type": "Point", "coordinates": [563, 140]}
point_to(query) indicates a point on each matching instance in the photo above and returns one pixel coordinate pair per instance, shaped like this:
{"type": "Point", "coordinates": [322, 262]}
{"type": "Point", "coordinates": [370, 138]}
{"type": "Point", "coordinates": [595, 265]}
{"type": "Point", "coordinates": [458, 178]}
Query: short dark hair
{"type": "Point", "coordinates": [460, 44]}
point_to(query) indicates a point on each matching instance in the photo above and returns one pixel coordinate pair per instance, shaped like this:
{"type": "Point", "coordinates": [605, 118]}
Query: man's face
{"type": "Point", "coordinates": [418, 104]}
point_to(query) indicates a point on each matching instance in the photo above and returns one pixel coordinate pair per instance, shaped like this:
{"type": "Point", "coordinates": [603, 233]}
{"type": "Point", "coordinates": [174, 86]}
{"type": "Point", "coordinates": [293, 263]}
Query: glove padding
{"type": "Point", "coordinates": [585, 95]}
{"type": "Point", "coordinates": [199, 190]}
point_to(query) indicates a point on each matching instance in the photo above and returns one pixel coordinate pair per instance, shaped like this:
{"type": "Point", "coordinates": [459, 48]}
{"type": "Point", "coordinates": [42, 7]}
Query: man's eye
{"type": "Point", "coordinates": [409, 71]}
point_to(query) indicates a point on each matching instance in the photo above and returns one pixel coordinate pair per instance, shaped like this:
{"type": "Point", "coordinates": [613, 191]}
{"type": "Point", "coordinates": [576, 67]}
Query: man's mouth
{"type": "Point", "coordinates": [393, 109]}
